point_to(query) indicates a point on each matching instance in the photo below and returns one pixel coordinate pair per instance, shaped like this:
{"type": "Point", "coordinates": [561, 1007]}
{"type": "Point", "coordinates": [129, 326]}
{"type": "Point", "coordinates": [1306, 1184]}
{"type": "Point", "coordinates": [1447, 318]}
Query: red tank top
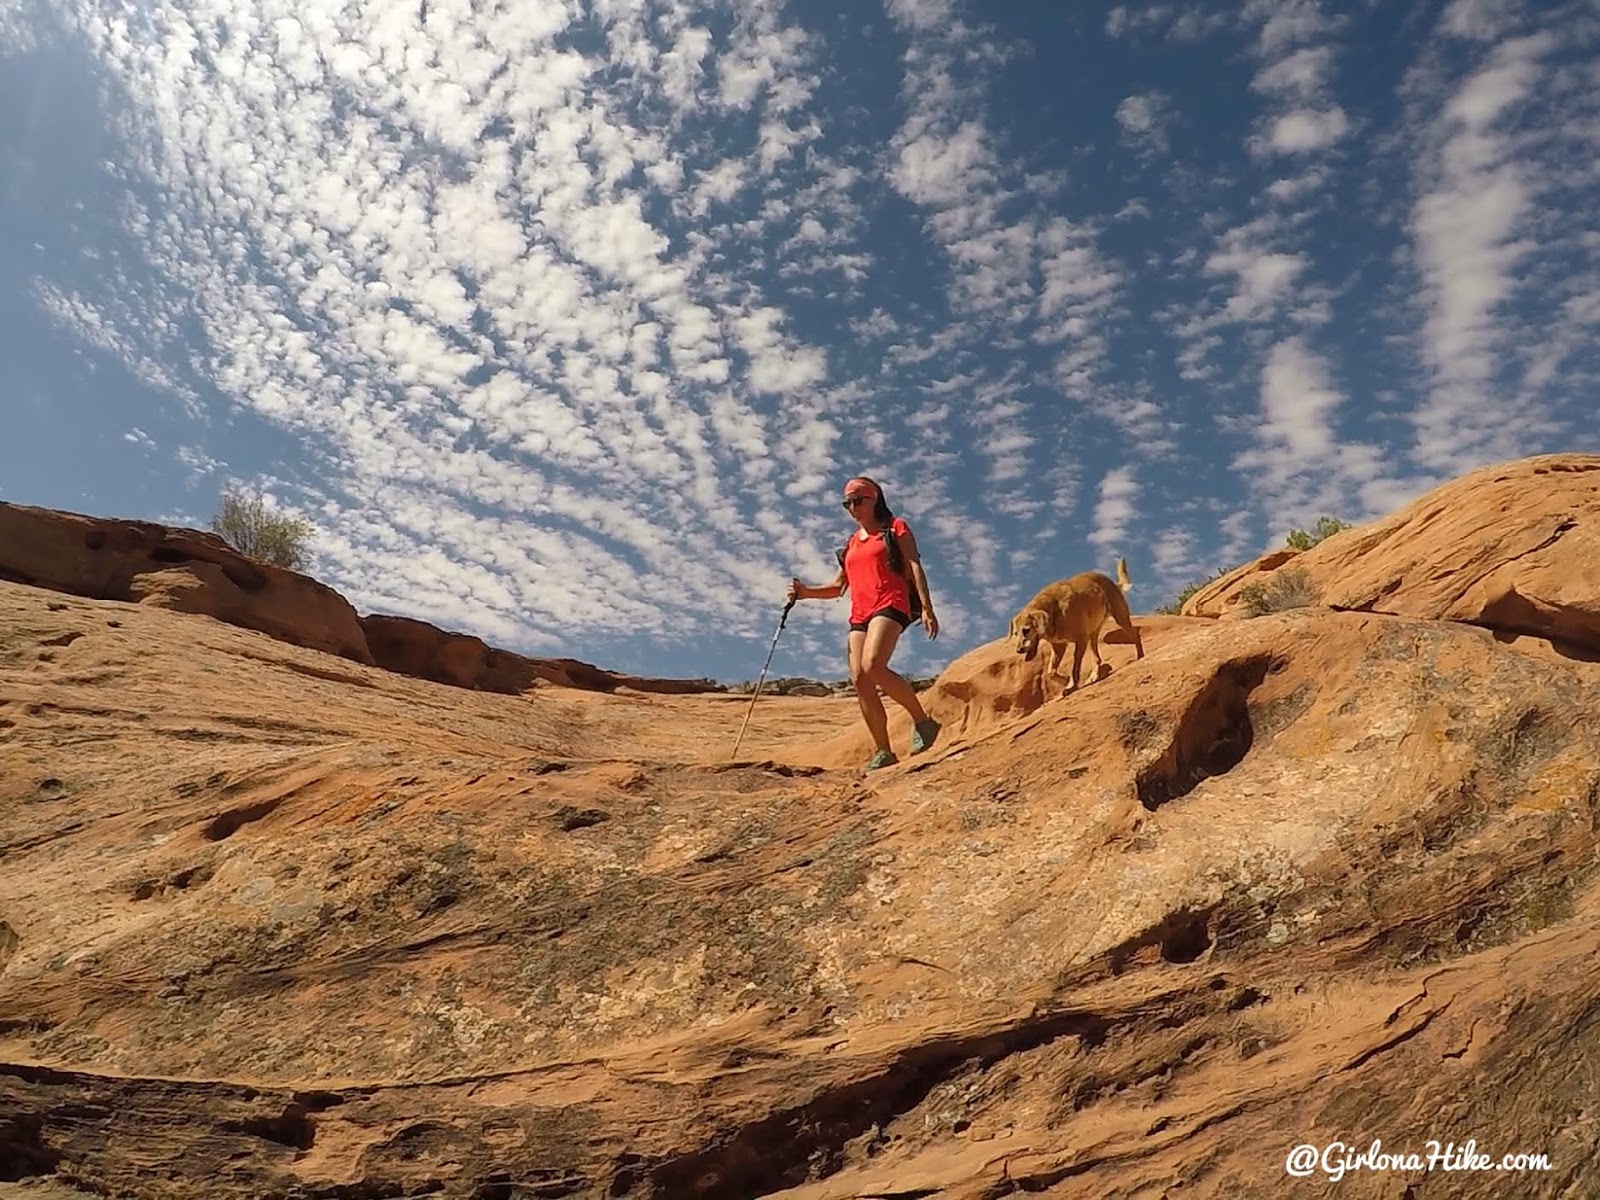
{"type": "Point", "coordinates": [866, 570]}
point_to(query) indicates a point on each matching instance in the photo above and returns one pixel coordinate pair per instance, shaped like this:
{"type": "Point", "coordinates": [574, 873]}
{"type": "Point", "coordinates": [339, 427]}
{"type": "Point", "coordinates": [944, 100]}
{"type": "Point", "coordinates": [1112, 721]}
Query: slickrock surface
{"type": "Point", "coordinates": [192, 571]}
{"type": "Point", "coordinates": [186, 570]}
{"type": "Point", "coordinates": [1514, 548]}
{"type": "Point", "coordinates": [280, 923]}
{"type": "Point", "coordinates": [411, 647]}
{"type": "Point", "coordinates": [991, 686]}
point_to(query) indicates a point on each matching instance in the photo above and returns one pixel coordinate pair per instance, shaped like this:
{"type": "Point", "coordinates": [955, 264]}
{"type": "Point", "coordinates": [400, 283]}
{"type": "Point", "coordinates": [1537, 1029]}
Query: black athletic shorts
{"type": "Point", "coordinates": [894, 614]}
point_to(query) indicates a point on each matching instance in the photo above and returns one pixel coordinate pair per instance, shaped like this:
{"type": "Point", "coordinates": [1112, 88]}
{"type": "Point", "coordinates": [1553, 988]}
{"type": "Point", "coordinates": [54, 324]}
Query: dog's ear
{"type": "Point", "coordinates": [1013, 630]}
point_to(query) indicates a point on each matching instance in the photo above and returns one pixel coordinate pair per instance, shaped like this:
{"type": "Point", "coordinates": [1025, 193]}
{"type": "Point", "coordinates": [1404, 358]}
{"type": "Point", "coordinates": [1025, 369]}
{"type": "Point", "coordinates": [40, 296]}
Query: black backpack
{"type": "Point", "coordinates": [896, 564]}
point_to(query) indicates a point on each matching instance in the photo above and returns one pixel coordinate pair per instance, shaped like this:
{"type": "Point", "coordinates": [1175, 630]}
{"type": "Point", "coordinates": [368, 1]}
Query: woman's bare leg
{"type": "Point", "coordinates": [867, 692]}
{"type": "Point", "coordinates": [883, 634]}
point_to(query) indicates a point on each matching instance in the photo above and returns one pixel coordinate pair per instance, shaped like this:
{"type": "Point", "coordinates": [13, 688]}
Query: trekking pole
{"type": "Point", "coordinates": [781, 623]}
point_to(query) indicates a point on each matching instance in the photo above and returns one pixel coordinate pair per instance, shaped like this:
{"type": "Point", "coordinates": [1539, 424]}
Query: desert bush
{"type": "Point", "coordinates": [799, 685]}
{"type": "Point", "coordinates": [246, 523]}
{"type": "Point", "coordinates": [1326, 527]}
{"type": "Point", "coordinates": [781, 685]}
{"type": "Point", "coordinates": [1190, 589]}
{"type": "Point", "coordinates": [1259, 594]}
{"type": "Point", "coordinates": [1285, 588]}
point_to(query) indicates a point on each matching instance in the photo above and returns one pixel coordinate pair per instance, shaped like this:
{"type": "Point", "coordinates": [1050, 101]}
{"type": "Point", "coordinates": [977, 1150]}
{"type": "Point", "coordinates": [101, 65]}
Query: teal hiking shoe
{"type": "Point", "coordinates": [883, 758]}
{"type": "Point", "coordinates": [923, 735]}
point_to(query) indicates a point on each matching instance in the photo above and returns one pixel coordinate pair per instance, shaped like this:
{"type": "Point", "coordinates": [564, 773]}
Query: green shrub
{"type": "Point", "coordinates": [1285, 588]}
{"type": "Point", "coordinates": [1190, 589]}
{"type": "Point", "coordinates": [1326, 527]}
{"type": "Point", "coordinates": [1298, 539]}
{"type": "Point", "coordinates": [246, 523]}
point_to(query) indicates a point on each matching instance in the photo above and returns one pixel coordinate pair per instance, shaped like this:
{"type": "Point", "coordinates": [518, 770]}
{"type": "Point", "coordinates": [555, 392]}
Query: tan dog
{"type": "Point", "coordinates": [1072, 610]}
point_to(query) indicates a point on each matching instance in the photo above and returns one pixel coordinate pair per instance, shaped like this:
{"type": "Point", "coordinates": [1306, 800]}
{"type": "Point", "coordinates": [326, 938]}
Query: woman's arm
{"type": "Point", "coordinates": [919, 579]}
{"type": "Point", "coordinates": [828, 591]}
{"type": "Point", "coordinates": [913, 560]}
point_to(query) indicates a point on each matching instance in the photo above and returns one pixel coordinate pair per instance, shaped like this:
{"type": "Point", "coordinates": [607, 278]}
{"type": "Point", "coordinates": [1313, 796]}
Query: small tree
{"type": "Point", "coordinates": [1325, 527]}
{"type": "Point", "coordinates": [247, 524]}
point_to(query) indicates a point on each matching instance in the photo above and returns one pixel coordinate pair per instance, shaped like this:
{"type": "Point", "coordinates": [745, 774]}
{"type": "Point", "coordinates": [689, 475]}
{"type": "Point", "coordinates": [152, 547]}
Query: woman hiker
{"type": "Point", "coordinates": [882, 604]}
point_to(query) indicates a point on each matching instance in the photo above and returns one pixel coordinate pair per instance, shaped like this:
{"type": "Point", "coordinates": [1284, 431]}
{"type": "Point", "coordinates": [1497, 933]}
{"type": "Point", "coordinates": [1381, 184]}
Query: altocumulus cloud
{"type": "Point", "coordinates": [576, 315]}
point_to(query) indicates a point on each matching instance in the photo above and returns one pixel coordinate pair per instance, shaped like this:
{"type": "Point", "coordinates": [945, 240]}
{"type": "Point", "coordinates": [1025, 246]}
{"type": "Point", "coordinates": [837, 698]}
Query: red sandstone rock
{"type": "Point", "coordinates": [191, 571]}
{"type": "Point", "coordinates": [1222, 597]}
{"type": "Point", "coordinates": [1513, 547]}
{"type": "Point", "coordinates": [273, 923]}
{"type": "Point", "coordinates": [276, 923]}
{"type": "Point", "coordinates": [182, 569]}
{"type": "Point", "coordinates": [417, 648]}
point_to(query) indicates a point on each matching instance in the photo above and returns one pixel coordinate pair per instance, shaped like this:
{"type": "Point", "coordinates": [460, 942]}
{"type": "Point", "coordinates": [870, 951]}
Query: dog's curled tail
{"type": "Point", "coordinates": [1117, 602]}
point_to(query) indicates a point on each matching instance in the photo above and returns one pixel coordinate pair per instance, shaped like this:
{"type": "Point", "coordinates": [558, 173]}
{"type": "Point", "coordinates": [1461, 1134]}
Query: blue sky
{"type": "Point", "coordinates": [565, 323]}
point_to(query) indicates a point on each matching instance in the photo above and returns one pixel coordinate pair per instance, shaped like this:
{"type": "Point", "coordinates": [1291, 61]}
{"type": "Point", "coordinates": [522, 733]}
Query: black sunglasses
{"type": "Point", "coordinates": [855, 500]}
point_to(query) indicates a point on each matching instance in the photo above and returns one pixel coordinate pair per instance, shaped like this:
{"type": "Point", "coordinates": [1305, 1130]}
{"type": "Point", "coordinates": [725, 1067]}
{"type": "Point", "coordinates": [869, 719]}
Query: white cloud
{"type": "Point", "coordinates": [922, 14]}
{"type": "Point", "coordinates": [1306, 130]}
{"type": "Point", "coordinates": [461, 254]}
{"type": "Point", "coordinates": [1583, 309]}
{"type": "Point", "coordinates": [144, 346]}
{"type": "Point", "coordinates": [1478, 20]}
{"type": "Point", "coordinates": [1302, 73]}
{"type": "Point", "coordinates": [1145, 119]}
{"type": "Point", "coordinates": [1019, 273]}
{"type": "Point", "coordinates": [1296, 79]}
{"type": "Point", "coordinates": [1467, 252]}
{"type": "Point", "coordinates": [552, 297]}
{"type": "Point", "coordinates": [1290, 190]}
{"type": "Point", "coordinates": [1466, 227]}
{"type": "Point", "coordinates": [1177, 23]}
{"type": "Point", "coordinates": [1115, 511]}
{"type": "Point", "coordinates": [938, 169]}
{"type": "Point", "coordinates": [1288, 23]}
{"type": "Point", "coordinates": [1297, 403]}
{"type": "Point", "coordinates": [1487, 95]}
{"type": "Point", "coordinates": [1267, 281]}
{"type": "Point", "coordinates": [1172, 553]}
{"type": "Point", "coordinates": [1075, 276]}
{"type": "Point", "coordinates": [1235, 529]}
{"type": "Point", "coordinates": [1298, 468]}
{"type": "Point", "coordinates": [198, 462]}
{"type": "Point", "coordinates": [1264, 278]}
